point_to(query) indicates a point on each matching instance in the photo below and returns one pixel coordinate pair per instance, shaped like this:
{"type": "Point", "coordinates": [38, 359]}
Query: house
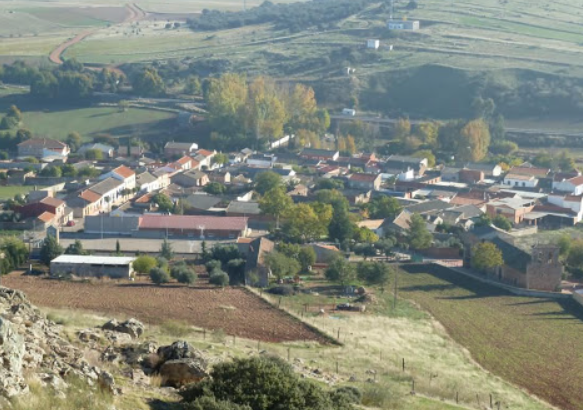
{"type": "Point", "coordinates": [44, 148]}
{"type": "Point", "coordinates": [203, 204]}
{"type": "Point", "coordinates": [123, 174]}
{"type": "Point", "coordinates": [119, 267]}
{"type": "Point", "coordinates": [403, 163]}
{"type": "Point", "coordinates": [106, 150]}
{"type": "Point", "coordinates": [530, 170]}
{"type": "Point", "coordinates": [193, 226]}
{"type": "Point", "coordinates": [148, 182]}
{"type": "Point", "coordinates": [261, 160]}
{"type": "Point", "coordinates": [255, 250]}
{"type": "Point", "coordinates": [450, 174]}
{"type": "Point", "coordinates": [568, 201]}
{"type": "Point", "coordinates": [375, 225]}
{"type": "Point", "coordinates": [221, 176]}
{"type": "Point", "coordinates": [365, 181]}
{"type": "Point", "coordinates": [53, 206]}
{"type": "Point", "coordinates": [191, 179]}
{"type": "Point", "coordinates": [489, 170]}
{"type": "Point", "coordinates": [403, 25]}
{"type": "Point", "coordinates": [573, 186]}
{"type": "Point", "coordinates": [357, 196]}
{"type": "Point", "coordinates": [535, 268]}
{"type": "Point", "coordinates": [110, 192]}
{"type": "Point", "coordinates": [471, 176]}
{"type": "Point", "coordinates": [179, 149]}
{"type": "Point", "coordinates": [520, 180]}
{"type": "Point", "coordinates": [205, 157]}
{"type": "Point", "coordinates": [373, 44]}
{"type": "Point", "coordinates": [513, 209]}
{"type": "Point", "coordinates": [319, 154]}
{"type": "Point", "coordinates": [324, 252]}
{"type": "Point", "coordinates": [238, 208]}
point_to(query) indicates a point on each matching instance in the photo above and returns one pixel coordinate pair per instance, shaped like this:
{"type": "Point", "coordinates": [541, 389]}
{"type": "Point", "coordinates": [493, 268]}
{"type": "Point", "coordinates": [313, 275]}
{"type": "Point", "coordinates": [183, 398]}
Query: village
{"type": "Point", "coordinates": [194, 198]}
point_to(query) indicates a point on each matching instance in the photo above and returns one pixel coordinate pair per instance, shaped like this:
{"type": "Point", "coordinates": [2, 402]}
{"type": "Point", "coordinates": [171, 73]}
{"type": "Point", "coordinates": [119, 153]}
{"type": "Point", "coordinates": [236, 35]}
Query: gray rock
{"type": "Point", "coordinates": [178, 350]}
{"type": "Point", "coordinates": [12, 350]}
{"type": "Point", "coordinates": [180, 372]}
{"type": "Point", "coordinates": [132, 327]}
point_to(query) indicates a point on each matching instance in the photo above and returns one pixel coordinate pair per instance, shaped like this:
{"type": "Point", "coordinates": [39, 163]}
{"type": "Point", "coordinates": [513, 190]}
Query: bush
{"type": "Point", "coordinates": [219, 278]}
{"type": "Point", "coordinates": [213, 265]}
{"type": "Point", "coordinates": [159, 276]}
{"type": "Point", "coordinates": [282, 290]}
{"type": "Point", "coordinates": [184, 274]}
{"type": "Point", "coordinates": [144, 264]}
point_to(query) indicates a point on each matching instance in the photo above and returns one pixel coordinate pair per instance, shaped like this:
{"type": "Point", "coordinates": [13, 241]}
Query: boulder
{"type": "Point", "coordinates": [180, 372]}
{"type": "Point", "coordinates": [178, 350]}
{"type": "Point", "coordinates": [12, 350]}
{"type": "Point", "coordinates": [132, 327]}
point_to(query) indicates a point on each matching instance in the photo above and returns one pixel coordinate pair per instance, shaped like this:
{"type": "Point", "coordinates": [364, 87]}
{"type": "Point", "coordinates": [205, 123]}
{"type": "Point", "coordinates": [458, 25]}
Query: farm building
{"type": "Point", "coordinates": [403, 25]}
{"type": "Point", "coordinates": [373, 43]}
{"type": "Point", "coordinates": [193, 226]}
{"type": "Point", "coordinates": [119, 267]}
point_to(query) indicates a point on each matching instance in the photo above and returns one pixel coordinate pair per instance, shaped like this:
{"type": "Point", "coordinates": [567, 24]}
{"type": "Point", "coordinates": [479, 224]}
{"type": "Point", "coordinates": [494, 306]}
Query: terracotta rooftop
{"type": "Point", "coordinates": [90, 196]}
{"type": "Point", "coordinates": [51, 201]}
{"type": "Point", "coordinates": [204, 152]}
{"type": "Point", "coordinates": [124, 171]}
{"type": "Point", "coordinates": [534, 171]}
{"type": "Point", "coordinates": [46, 217]}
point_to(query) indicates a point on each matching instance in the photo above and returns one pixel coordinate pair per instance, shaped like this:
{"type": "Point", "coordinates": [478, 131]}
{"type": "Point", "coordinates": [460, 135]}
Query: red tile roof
{"type": "Point", "coordinates": [51, 201]}
{"type": "Point", "coordinates": [184, 160]}
{"type": "Point", "coordinates": [90, 196]}
{"type": "Point", "coordinates": [537, 172]}
{"type": "Point", "coordinates": [46, 217]}
{"type": "Point", "coordinates": [204, 152]}
{"type": "Point", "coordinates": [577, 180]}
{"type": "Point", "coordinates": [189, 222]}
{"type": "Point", "coordinates": [124, 171]}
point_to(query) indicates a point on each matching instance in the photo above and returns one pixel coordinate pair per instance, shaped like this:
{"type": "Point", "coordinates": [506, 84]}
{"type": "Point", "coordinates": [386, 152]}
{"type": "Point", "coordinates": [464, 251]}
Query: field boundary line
{"type": "Point", "coordinates": [292, 314]}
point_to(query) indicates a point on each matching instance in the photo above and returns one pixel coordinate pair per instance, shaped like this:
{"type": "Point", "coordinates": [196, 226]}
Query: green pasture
{"type": "Point", "coordinates": [7, 192]}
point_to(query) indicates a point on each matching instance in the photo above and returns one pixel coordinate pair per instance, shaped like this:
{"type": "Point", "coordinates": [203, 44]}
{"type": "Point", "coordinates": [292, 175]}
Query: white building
{"type": "Point", "coordinates": [373, 43]}
{"type": "Point", "coordinates": [119, 267]}
{"type": "Point", "coordinates": [349, 111]}
{"type": "Point", "coordinates": [573, 185]}
{"type": "Point", "coordinates": [522, 181]}
{"type": "Point", "coordinates": [403, 25]}
{"type": "Point", "coordinates": [572, 202]}
{"type": "Point", "coordinates": [123, 174]}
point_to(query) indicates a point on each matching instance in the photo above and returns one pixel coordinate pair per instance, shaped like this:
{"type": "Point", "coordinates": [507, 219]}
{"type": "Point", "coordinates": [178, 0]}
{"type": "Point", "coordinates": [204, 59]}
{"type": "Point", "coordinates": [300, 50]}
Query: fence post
{"type": "Point", "coordinates": [288, 349]}
{"type": "Point", "coordinates": [457, 397]}
{"type": "Point", "coordinates": [403, 364]}
{"type": "Point", "coordinates": [491, 402]}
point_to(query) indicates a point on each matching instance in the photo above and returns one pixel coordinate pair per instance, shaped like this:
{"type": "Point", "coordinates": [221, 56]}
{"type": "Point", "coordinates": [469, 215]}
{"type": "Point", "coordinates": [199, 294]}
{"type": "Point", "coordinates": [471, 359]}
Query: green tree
{"type": "Point", "coordinates": [148, 82]}
{"type": "Point", "coordinates": [304, 224]}
{"type": "Point", "coordinates": [402, 129]}
{"type": "Point", "coordinates": [74, 141]}
{"type": "Point", "coordinates": [502, 222]}
{"type": "Point", "coordinates": [341, 227]}
{"type": "Point", "coordinates": [474, 141]}
{"type": "Point", "coordinates": [211, 403]}
{"type": "Point", "coordinates": [15, 254]}
{"type": "Point", "coordinates": [486, 256]}
{"type": "Point", "coordinates": [68, 170]}
{"type": "Point", "coordinates": [375, 273]}
{"type": "Point", "coordinates": [306, 258]}
{"type": "Point", "coordinates": [275, 203]}
{"type": "Point", "coordinates": [50, 250]}
{"type": "Point", "coordinates": [364, 235]}
{"type": "Point", "coordinates": [164, 203]}
{"type": "Point", "coordinates": [88, 172]}
{"type": "Point", "coordinates": [266, 181]}
{"type": "Point", "coordinates": [166, 250]}
{"type": "Point", "coordinates": [564, 244]}
{"type": "Point", "coordinates": [428, 154]}
{"type": "Point", "coordinates": [159, 276]}
{"type": "Point", "coordinates": [94, 155]}
{"type": "Point", "coordinates": [219, 278]}
{"type": "Point", "coordinates": [220, 158]}
{"type": "Point", "coordinates": [565, 162]}
{"type": "Point", "coordinates": [575, 256]}
{"type": "Point", "coordinates": [144, 264]}
{"type": "Point", "coordinates": [340, 270]}
{"type": "Point", "coordinates": [226, 99]}
{"type": "Point", "coordinates": [183, 273]}
{"type": "Point", "coordinates": [280, 265]}
{"type": "Point", "coordinates": [76, 248]}
{"type": "Point", "coordinates": [118, 248]}
{"type": "Point", "coordinates": [215, 188]}
{"type": "Point", "coordinates": [383, 207]}
{"type": "Point", "coordinates": [192, 85]}
{"type": "Point", "coordinates": [427, 132]}
{"type": "Point", "coordinates": [419, 236]}
{"type": "Point", "coordinates": [52, 171]}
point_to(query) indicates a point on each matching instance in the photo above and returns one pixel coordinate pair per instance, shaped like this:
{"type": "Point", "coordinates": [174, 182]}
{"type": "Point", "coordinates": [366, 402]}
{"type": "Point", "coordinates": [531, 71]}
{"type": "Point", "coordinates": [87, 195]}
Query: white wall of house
{"type": "Point", "coordinates": [567, 186]}
{"type": "Point", "coordinates": [522, 183]}
{"type": "Point", "coordinates": [574, 205]}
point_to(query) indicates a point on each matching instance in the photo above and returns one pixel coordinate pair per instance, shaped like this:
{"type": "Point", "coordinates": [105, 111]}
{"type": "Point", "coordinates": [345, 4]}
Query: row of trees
{"type": "Point", "coordinates": [341, 271]}
{"type": "Point", "coordinates": [260, 111]}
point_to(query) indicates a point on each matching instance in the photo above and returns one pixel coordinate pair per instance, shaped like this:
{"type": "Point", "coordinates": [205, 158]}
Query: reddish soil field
{"type": "Point", "coordinates": [236, 311]}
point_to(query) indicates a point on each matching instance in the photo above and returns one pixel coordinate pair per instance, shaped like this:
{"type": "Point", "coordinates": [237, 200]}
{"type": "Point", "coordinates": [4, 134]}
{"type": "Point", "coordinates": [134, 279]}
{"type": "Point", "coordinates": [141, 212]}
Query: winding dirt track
{"type": "Point", "coordinates": [135, 14]}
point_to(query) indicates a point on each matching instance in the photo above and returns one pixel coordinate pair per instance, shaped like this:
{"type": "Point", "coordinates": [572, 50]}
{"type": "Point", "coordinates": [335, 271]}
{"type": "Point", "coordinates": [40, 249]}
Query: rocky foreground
{"type": "Point", "coordinates": [33, 350]}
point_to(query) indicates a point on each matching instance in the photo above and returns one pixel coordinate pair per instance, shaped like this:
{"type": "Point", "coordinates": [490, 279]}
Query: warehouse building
{"type": "Point", "coordinates": [193, 226]}
{"type": "Point", "coordinates": [118, 267]}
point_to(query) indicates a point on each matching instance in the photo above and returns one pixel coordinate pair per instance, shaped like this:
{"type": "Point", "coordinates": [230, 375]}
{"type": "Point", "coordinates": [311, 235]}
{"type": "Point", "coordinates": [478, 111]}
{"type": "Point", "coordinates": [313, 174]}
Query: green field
{"type": "Point", "coordinates": [96, 120]}
{"type": "Point", "coordinates": [535, 343]}
{"type": "Point", "coordinates": [7, 192]}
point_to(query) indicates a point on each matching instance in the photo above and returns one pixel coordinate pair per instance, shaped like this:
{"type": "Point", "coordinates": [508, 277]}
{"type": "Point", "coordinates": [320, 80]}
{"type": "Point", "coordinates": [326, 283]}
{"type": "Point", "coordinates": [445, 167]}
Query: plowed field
{"type": "Point", "coordinates": [233, 310]}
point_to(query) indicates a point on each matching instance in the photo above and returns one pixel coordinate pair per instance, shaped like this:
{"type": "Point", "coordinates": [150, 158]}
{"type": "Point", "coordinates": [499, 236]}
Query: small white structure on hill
{"type": "Point", "coordinates": [119, 267]}
{"type": "Point", "coordinates": [373, 43]}
{"type": "Point", "coordinates": [349, 112]}
{"type": "Point", "coordinates": [403, 24]}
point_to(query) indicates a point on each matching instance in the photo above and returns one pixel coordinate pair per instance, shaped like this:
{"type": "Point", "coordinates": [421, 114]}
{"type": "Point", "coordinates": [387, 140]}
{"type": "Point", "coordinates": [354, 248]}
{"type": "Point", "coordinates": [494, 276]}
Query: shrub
{"type": "Point", "coordinates": [219, 278]}
{"type": "Point", "coordinates": [185, 275]}
{"type": "Point", "coordinates": [144, 264]}
{"type": "Point", "coordinates": [282, 290]}
{"type": "Point", "coordinates": [159, 276]}
{"type": "Point", "coordinates": [213, 265]}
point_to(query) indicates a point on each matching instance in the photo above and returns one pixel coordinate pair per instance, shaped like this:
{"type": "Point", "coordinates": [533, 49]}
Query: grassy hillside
{"type": "Point", "coordinates": [535, 343]}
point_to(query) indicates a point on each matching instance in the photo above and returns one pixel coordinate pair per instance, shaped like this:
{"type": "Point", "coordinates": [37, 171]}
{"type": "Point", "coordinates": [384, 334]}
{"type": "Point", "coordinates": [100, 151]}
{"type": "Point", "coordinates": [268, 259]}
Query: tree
{"type": "Point", "coordinates": [68, 170]}
{"type": "Point", "coordinates": [474, 141]}
{"type": "Point", "coordinates": [15, 254]}
{"type": "Point", "coordinates": [502, 222]}
{"type": "Point", "coordinates": [402, 129]}
{"type": "Point", "coordinates": [76, 248]}
{"type": "Point", "coordinates": [226, 99]}
{"type": "Point", "coordinates": [365, 249]}
{"type": "Point", "coordinates": [306, 258]}
{"type": "Point", "coordinates": [164, 203]}
{"type": "Point", "coordinates": [427, 132]}
{"type": "Point", "coordinates": [148, 82]}
{"type": "Point", "coordinates": [565, 162]}
{"type": "Point", "coordinates": [364, 235]}
{"type": "Point", "coordinates": [74, 141]}
{"type": "Point", "coordinates": [265, 113]}
{"type": "Point", "coordinates": [50, 250]}
{"type": "Point", "coordinates": [215, 188]}
{"type": "Point", "coordinates": [340, 270]}
{"type": "Point", "coordinates": [93, 155]}
{"type": "Point", "coordinates": [159, 276]}
{"type": "Point", "coordinates": [266, 181]}
{"type": "Point", "coordinates": [265, 383]}
{"type": "Point", "coordinates": [428, 154]}
{"type": "Point", "coordinates": [117, 248]}
{"type": "Point", "coordinates": [383, 207]}
{"type": "Point", "coordinates": [375, 273]}
{"type": "Point", "coordinates": [88, 172]}
{"type": "Point", "coordinates": [192, 85]}
{"type": "Point", "coordinates": [564, 244]}
{"type": "Point", "coordinates": [144, 264]}
{"type": "Point", "coordinates": [341, 227]}
{"type": "Point", "coordinates": [419, 236]}
{"type": "Point", "coordinates": [275, 203]}
{"type": "Point", "coordinates": [52, 171]}
{"type": "Point", "coordinates": [221, 158]}
{"type": "Point", "coordinates": [280, 265]}
{"type": "Point", "coordinates": [304, 224]}
{"type": "Point", "coordinates": [575, 255]}
{"type": "Point", "coordinates": [219, 278]}
{"type": "Point", "coordinates": [183, 273]}
{"type": "Point", "coordinates": [486, 256]}
{"type": "Point", "coordinates": [166, 250]}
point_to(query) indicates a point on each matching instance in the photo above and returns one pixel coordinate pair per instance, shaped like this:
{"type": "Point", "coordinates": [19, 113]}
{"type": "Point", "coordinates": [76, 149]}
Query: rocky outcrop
{"type": "Point", "coordinates": [31, 345]}
{"type": "Point", "coordinates": [132, 327]}
{"type": "Point", "coordinates": [182, 364]}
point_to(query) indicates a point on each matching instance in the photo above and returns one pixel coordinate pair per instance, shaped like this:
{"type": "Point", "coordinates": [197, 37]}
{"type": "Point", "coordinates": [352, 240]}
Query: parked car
{"type": "Point", "coordinates": [71, 223]}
